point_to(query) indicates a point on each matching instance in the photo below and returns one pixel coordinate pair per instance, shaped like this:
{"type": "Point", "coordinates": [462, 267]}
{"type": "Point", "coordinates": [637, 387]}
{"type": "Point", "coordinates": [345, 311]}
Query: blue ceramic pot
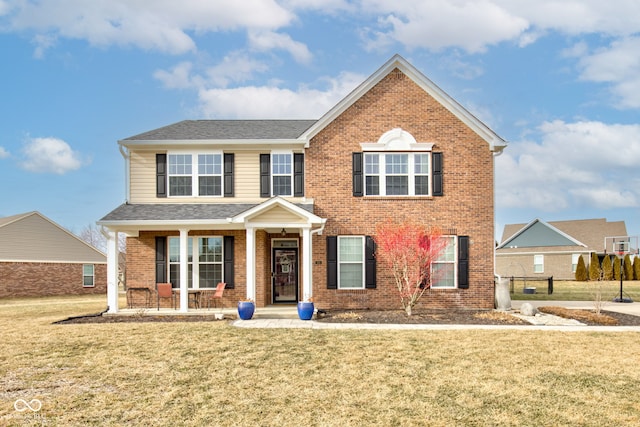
{"type": "Point", "coordinates": [246, 309]}
{"type": "Point", "coordinates": [305, 310]}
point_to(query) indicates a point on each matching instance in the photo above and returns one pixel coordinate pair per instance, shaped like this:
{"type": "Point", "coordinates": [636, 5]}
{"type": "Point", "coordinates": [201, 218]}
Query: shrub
{"type": "Point", "coordinates": [581, 270]}
{"type": "Point", "coordinates": [636, 268]}
{"type": "Point", "coordinates": [607, 268]}
{"type": "Point", "coordinates": [594, 267]}
{"type": "Point", "coordinates": [628, 268]}
{"type": "Point", "coordinates": [616, 268]}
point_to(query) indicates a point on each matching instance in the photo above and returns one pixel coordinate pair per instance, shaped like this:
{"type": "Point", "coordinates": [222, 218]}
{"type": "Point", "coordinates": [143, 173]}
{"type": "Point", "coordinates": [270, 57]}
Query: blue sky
{"type": "Point", "coordinates": [558, 79]}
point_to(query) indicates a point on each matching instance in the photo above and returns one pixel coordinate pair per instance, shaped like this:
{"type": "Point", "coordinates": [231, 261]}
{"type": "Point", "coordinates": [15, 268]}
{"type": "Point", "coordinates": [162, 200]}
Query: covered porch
{"type": "Point", "coordinates": [262, 244]}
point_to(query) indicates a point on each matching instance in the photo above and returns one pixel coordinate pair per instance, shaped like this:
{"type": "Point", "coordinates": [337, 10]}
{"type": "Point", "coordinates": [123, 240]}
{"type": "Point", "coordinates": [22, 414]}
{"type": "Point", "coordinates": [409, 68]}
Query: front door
{"type": "Point", "coordinates": [285, 275]}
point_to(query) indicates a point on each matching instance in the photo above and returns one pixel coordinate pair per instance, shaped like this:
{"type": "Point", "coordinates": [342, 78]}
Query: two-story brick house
{"type": "Point", "coordinates": [285, 210]}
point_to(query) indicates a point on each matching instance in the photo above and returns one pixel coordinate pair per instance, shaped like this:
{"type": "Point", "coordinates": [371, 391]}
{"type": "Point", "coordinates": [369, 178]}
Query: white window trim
{"type": "Point", "coordinates": [93, 276]}
{"type": "Point", "coordinates": [195, 261]}
{"type": "Point", "coordinates": [454, 239]}
{"type": "Point", "coordinates": [362, 263]}
{"type": "Point", "coordinates": [536, 259]}
{"type": "Point", "coordinates": [272, 175]}
{"type": "Point", "coordinates": [411, 175]}
{"type": "Point", "coordinates": [194, 173]}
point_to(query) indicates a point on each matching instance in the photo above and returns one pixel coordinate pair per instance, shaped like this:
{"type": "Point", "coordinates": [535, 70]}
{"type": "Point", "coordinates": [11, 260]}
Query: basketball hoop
{"type": "Point", "coordinates": [621, 245]}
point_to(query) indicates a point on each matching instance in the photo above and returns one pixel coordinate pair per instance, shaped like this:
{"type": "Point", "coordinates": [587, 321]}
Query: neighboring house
{"type": "Point", "coordinates": [40, 258]}
{"type": "Point", "coordinates": [548, 249]}
{"type": "Point", "coordinates": [285, 210]}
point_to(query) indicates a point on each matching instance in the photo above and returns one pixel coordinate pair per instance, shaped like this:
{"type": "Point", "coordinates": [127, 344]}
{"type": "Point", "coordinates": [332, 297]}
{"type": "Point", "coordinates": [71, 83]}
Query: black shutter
{"type": "Point", "coordinates": [436, 169]}
{"type": "Point", "coordinates": [358, 189]}
{"type": "Point", "coordinates": [161, 176]}
{"type": "Point", "coordinates": [298, 175]}
{"type": "Point", "coordinates": [228, 174]}
{"type": "Point", "coordinates": [161, 259]}
{"type": "Point", "coordinates": [228, 262]}
{"type": "Point", "coordinates": [370, 263]}
{"type": "Point", "coordinates": [332, 262]}
{"type": "Point", "coordinates": [265, 175]}
{"type": "Point", "coordinates": [463, 262]}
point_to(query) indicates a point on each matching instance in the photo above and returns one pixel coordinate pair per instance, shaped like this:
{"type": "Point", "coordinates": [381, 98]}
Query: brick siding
{"type": "Point", "coordinates": [467, 204]}
{"type": "Point", "coordinates": [32, 279]}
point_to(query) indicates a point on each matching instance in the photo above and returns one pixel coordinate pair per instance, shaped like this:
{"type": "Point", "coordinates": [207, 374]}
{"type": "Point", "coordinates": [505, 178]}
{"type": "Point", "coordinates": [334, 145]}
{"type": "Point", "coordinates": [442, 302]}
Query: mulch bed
{"type": "Point", "coordinates": [453, 317]}
{"type": "Point", "coordinates": [441, 317]}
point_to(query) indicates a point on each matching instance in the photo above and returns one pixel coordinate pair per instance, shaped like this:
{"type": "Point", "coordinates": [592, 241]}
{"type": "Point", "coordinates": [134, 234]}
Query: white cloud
{"type": "Point", "coordinates": [275, 102]}
{"type": "Point", "coordinates": [269, 40]}
{"type": "Point", "coordinates": [50, 155]}
{"type": "Point", "coordinates": [475, 25]}
{"type": "Point", "coordinates": [3, 153]}
{"type": "Point", "coordinates": [162, 26]}
{"type": "Point", "coordinates": [619, 65]}
{"type": "Point", "coordinates": [581, 164]}
{"type": "Point", "coordinates": [438, 24]}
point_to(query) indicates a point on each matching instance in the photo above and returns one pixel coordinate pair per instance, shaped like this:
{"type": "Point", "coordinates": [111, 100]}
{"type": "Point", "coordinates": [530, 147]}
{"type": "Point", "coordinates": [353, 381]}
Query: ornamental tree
{"type": "Point", "coordinates": [636, 268]}
{"type": "Point", "coordinates": [409, 250]}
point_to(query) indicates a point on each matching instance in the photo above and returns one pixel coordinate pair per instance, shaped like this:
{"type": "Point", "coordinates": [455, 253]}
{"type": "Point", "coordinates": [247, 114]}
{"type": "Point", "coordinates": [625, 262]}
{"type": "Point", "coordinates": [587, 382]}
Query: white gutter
{"type": "Point", "coordinates": [126, 156]}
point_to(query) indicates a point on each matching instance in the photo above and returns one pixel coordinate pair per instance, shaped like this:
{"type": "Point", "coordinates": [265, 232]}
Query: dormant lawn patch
{"type": "Point", "coordinates": [211, 373]}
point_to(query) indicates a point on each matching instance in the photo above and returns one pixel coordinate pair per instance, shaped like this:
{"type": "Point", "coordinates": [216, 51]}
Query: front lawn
{"type": "Point", "coordinates": [210, 373]}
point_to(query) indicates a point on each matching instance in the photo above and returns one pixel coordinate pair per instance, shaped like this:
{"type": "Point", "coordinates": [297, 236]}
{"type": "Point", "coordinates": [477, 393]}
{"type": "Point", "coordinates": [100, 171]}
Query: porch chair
{"type": "Point", "coordinates": [165, 290]}
{"type": "Point", "coordinates": [217, 295]}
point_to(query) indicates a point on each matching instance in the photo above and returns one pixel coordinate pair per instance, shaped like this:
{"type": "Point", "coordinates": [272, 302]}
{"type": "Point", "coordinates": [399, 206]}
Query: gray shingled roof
{"type": "Point", "coordinates": [181, 212]}
{"type": "Point", "coordinates": [226, 129]}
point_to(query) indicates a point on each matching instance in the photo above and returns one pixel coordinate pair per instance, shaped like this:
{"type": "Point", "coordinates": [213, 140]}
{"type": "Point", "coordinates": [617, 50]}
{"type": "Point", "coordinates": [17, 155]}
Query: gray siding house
{"type": "Point", "coordinates": [553, 248]}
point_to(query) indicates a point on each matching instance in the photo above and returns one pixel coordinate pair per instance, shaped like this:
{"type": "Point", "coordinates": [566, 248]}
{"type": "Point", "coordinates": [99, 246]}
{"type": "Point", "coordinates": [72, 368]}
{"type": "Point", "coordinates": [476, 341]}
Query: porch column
{"type": "Point", "coordinates": [307, 288]}
{"type": "Point", "coordinates": [184, 270]}
{"type": "Point", "coordinates": [112, 271]}
{"type": "Point", "coordinates": [251, 263]}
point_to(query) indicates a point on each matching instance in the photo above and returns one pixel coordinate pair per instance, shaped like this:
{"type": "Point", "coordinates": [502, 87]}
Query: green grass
{"type": "Point", "coordinates": [576, 291]}
{"type": "Point", "coordinates": [213, 374]}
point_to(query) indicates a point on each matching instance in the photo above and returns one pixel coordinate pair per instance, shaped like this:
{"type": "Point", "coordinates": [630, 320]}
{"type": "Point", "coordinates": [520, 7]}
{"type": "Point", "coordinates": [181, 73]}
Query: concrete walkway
{"type": "Point", "coordinates": [281, 318]}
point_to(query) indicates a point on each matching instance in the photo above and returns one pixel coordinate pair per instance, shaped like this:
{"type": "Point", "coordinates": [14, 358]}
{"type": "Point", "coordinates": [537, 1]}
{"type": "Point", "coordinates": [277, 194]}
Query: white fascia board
{"type": "Point", "coordinates": [236, 144]}
{"type": "Point", "coordinates": [128, 226]}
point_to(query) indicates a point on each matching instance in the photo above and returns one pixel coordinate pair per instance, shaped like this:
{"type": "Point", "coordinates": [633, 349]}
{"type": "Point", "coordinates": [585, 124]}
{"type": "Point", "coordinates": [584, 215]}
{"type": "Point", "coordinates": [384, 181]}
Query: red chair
{"type": "Point", "coordinates": [165, 290]}
{"type": "Point", "coordinates": [217, 295]}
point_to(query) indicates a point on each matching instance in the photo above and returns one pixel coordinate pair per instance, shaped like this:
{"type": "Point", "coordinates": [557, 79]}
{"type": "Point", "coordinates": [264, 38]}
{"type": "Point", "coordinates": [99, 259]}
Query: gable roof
{"type": "Point", "coordinates": [496, 143]}
{"type": "Point", "coordinates": [589, 233]}
{"type": "Point", "coordinates": [32, 237]}
{"type": "Point", "coordinates": [539, 233]}
{"type": "Point", "coordinates": [302, 131]}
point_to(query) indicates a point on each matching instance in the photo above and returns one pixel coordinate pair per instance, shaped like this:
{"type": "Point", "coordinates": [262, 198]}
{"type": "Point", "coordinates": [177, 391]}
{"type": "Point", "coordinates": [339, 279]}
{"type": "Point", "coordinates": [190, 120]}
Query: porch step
{"type": "Point", "coordinates": [276, 312]}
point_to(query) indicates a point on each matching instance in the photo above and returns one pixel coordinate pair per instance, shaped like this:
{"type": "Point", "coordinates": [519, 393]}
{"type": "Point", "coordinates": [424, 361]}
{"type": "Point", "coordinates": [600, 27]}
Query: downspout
{"type": "Point", "coordinates": [126, 156]}
{"type": "Point", "coordinates": [502, 296]}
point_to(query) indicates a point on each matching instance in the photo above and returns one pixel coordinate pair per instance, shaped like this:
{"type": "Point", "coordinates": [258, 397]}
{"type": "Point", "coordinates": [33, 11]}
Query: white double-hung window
{"type": "Point", "coordinates": [195, 175]}
{"type": "Point", "coordinates": [396, 174]}
{"type": "Point", "coordinates": [204, 268]}
{"type": "Point", "coordinates": [282, 173]}
{"type": "Point", "coordinates": [397, 165]}
{"type": "Point", "coordinates": [351, 261]}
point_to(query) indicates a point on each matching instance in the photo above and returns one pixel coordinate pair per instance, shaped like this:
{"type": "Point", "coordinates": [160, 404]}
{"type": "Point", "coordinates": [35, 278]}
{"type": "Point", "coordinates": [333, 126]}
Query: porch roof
{"type": "Point", "coordinates": [182, 214]}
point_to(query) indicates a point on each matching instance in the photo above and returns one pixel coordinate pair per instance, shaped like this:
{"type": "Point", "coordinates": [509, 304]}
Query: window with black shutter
{"type": "Point", "coordinates": [463, 262]}
{"type": "Point", "coordinates": [228, 174]}
{"type": "Point", "coordinates": [161, 175]}
{"type": "Point", "coordinates": [229, 272]}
